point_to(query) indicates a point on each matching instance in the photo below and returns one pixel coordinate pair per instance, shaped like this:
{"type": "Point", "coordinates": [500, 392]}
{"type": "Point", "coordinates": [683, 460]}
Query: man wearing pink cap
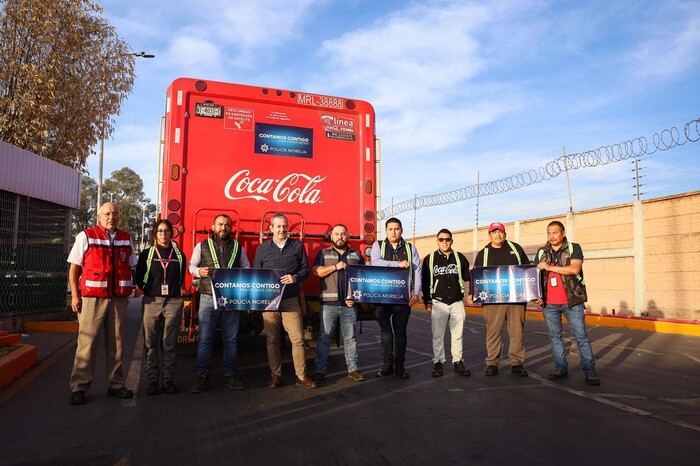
{"type": "Point", "coordinates": [503, 252]}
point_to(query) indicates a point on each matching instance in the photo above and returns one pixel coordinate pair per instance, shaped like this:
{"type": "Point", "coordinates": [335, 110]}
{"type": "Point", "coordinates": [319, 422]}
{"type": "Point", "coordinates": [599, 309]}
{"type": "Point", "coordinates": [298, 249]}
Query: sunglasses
{"type": "Point", "coordinates": [164, 231]}
{"type": "Point", "coordinates": [443, 240]}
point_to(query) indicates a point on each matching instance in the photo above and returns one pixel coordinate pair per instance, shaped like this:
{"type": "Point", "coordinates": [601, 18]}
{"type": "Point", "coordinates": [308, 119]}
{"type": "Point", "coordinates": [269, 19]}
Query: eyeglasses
{"type": "Point", "coordinates": [445, 240]}
{"type": "Point", "coordinates": [167, 230]}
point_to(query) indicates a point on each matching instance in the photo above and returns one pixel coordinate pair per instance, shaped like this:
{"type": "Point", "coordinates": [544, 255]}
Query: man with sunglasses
{"type": "Point", "coordinates": [500, 251]}
{"type": "Point", "coordinates": [444, 274]}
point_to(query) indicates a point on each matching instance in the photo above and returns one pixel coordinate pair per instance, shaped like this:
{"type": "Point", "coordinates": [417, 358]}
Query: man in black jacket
{"type": "Point", "coordinates": [443, 277]}
{"type": "Point", "coordinates": [282, 252]}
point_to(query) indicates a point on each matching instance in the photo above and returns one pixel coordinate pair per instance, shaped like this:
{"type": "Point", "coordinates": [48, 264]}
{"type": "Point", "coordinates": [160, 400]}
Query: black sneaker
{"type": "Point", "coordinates": [202, 384]}
{"type": "Point", "coordinates": [461, 370]}
{"type": "Point", "coordinates": [592, 378]}
{"type": "Point", "coordinates": [491, 371]}
{"type": "Point", "coordinates": [437, 369]}
{"type": "Point", "coordinates": [77, 398]}
{"type": "Point", "coordinates": [518, 370]}
{"type": "Point", "coordinates": [401, 373]}
{"type": "Point", "coordinates": [318, 377]}
{"type": "Point", "coordinates": [558, 374]}
{"type": "Point", "coordinates": [231, 382]}
{"type": "Point", "coordinates": [121, 392]}
{"type": "Point", "coordinates": [170, 388]}
{"type": "Point", "coordinates": [385, 371]}
{"type": "Point", "coordinates": [152, 389]}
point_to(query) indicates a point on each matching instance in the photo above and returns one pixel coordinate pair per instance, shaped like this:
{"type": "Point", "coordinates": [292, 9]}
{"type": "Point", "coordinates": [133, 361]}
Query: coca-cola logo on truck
{"type": "Point", "coordinates": [295, 187]}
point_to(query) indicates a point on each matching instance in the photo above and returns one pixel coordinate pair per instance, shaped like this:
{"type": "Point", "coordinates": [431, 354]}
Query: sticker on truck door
{"type": "Point", "coordinates": [239, 118]}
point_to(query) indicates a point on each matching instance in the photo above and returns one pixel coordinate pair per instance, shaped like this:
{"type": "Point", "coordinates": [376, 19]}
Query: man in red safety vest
{"type": "Point", "coordinates": [101, 263]}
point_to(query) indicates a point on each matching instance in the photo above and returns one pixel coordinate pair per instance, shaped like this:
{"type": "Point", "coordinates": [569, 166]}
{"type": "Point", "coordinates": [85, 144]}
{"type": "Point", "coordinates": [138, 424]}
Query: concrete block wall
{"type": "Point", "coordinates": [641, 259]}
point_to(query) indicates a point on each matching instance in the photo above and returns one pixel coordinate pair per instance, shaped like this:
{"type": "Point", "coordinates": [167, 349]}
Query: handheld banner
{"type": "Point", "coordinates": [506, 284]}
{"type": "Point", "coordinates": [247, 289]}
{"type": "Point", "coordinates": [383, 285]}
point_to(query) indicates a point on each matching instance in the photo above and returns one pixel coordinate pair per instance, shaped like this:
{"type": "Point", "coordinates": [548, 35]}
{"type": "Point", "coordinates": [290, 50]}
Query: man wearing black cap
{"type": "Point", "coordinates": [503, 252]}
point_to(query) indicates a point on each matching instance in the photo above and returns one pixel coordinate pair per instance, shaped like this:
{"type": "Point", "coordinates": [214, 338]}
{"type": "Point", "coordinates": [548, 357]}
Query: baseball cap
{"type": "Point", "coordinates": [497, 226]}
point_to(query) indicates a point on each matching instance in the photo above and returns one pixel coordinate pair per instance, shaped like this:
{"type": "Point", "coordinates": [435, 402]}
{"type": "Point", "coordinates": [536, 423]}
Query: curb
{"type": "Point", "coordinates": [645, 324]}
{"type": "Point", "coordinates": [16, 363]}
{"type": "Point", "coordinates": [52, 326]}
{"type": "Point", "coordinates": [20, 360]}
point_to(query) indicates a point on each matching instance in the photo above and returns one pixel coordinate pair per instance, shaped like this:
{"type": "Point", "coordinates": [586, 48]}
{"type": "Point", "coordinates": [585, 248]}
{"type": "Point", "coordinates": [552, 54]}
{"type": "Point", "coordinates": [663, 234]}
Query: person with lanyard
{"type": "Point", "coordinates": [218, 251]}
{"type": "Point", "coordinates": [393, 251]}
{"type": "Point", "coordinates": [160, 273]}
{"type": "Point", "coordinates": [329, 266]}
{"type": "Point", "coordinates": [561, 263]}
{"type": "Point", "coordinates": [500, 251]}
{"type": "Point", "coordinates": [100, 273]}
{"type": "Point", "coordinates": [444, 273]}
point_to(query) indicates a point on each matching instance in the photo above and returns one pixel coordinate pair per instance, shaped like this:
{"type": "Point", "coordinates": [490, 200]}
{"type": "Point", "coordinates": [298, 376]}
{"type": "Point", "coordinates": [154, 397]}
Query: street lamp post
{"type": "Point", "coordinates": [141, 54]}
{"type": "Point", "coordinates": [143, 226]}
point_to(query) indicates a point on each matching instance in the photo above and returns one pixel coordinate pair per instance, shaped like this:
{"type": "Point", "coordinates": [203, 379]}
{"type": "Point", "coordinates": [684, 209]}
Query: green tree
{"type": "Point", "coordinates": [125, 188]}
{"type": "Point", "coordinates": [84, 217]}
{"type": "Point", "coordinates": [64, 73]}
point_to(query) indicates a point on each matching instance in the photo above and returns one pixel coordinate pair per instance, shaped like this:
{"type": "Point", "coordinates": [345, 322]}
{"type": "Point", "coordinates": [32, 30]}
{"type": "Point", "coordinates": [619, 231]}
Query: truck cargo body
{"type": "Point", "coordinates": [251, 152]}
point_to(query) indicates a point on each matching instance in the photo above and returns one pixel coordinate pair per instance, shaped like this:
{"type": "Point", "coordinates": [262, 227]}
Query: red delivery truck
{"type": "Point", "coordinates": [251, 152]}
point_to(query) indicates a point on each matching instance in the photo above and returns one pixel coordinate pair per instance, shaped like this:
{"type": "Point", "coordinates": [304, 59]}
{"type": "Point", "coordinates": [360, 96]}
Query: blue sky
{"type": "Point", "coordinates": [459, 87]}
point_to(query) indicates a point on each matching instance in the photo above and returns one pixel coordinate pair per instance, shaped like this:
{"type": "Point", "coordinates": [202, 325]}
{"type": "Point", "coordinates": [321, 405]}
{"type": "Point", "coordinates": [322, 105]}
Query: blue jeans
{"type": "Point", "coordinates": [393, 320]}
{"type": "Point", "coordinates": [577, 323]}
{"type": "Point", "coordinates": [331, 314]}
{"type": "Point", "coordinates": [209, 319]}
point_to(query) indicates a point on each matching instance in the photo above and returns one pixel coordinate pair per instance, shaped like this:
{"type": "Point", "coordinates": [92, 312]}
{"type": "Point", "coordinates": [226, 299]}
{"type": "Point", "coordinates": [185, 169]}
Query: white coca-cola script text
{"type": "Point", "coordinates": [295, 187]}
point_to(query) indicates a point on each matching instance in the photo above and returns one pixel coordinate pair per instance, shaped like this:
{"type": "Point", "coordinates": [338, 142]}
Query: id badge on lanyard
{"type": "Point", "coordinates": [164, 286]}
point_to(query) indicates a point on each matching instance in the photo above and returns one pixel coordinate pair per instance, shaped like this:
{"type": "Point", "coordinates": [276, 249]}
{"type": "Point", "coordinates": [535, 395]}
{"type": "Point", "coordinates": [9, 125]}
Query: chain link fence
{"type": "Point", "coordinates": [33, 248]}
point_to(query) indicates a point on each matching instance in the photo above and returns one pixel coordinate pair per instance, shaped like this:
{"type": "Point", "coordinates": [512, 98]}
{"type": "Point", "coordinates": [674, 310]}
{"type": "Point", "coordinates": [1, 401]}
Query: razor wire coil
{"type": "Point", "coordinates": [661, 141]}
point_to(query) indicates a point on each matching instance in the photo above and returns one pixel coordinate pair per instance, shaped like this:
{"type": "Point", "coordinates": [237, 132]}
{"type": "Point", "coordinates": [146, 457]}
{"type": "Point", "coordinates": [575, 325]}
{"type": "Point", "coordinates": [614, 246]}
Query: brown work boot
{"type": "Point", "coordinates": [275, 381]}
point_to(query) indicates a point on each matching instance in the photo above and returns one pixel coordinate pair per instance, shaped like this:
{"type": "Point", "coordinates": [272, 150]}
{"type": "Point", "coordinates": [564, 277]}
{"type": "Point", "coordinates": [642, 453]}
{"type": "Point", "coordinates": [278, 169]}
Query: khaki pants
{"type": "Point", "coordinates": [495, 315]}
{"type": "Point", "coordinates": [99, 314]}
{"type": "Point", "coordinates": [291, 318]}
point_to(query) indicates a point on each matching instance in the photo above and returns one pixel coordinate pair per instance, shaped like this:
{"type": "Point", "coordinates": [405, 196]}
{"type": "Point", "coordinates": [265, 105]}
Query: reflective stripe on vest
{"type": "Point", "coordinates": [151, 253]}
{"type": "Point", "coordinates": [215, 254]}
{"type": "Point", "coordinates": [94, 284]}
{"type": "Point", "coordinates": [512, 246]}
{"type": "Point", "coordinates": [432, 273]}
{"type": "Point", "coordinates": [106, 269]}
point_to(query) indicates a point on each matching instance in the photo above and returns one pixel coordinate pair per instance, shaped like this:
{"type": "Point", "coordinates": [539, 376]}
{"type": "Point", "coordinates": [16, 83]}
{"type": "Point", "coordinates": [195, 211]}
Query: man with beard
{"type": "Point", "coordinates": [329, 265]}
{"type": "Point", "coordinates": [218, 251]}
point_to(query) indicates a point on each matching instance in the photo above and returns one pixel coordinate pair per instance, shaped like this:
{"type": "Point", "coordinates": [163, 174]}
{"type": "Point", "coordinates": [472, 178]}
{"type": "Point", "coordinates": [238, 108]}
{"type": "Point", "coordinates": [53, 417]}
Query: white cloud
{"type": "Point", "coordinates": [672, 43]}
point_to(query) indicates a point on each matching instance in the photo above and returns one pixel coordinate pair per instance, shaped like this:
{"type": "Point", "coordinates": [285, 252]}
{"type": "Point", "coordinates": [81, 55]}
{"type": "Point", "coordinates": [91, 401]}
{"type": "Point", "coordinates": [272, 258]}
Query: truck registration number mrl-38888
{"type": "Point", "coordinates": [320, 101]}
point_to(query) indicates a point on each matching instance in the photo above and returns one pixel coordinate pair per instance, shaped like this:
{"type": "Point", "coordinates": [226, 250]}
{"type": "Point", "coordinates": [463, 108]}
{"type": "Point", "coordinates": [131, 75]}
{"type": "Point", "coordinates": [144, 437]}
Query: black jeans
{"type": "Point", "coordinates": [393, 320]}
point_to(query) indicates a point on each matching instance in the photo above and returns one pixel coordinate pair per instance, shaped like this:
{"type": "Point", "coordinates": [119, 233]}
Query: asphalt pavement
{"type": "Point", "coordinates": [645, 412]}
